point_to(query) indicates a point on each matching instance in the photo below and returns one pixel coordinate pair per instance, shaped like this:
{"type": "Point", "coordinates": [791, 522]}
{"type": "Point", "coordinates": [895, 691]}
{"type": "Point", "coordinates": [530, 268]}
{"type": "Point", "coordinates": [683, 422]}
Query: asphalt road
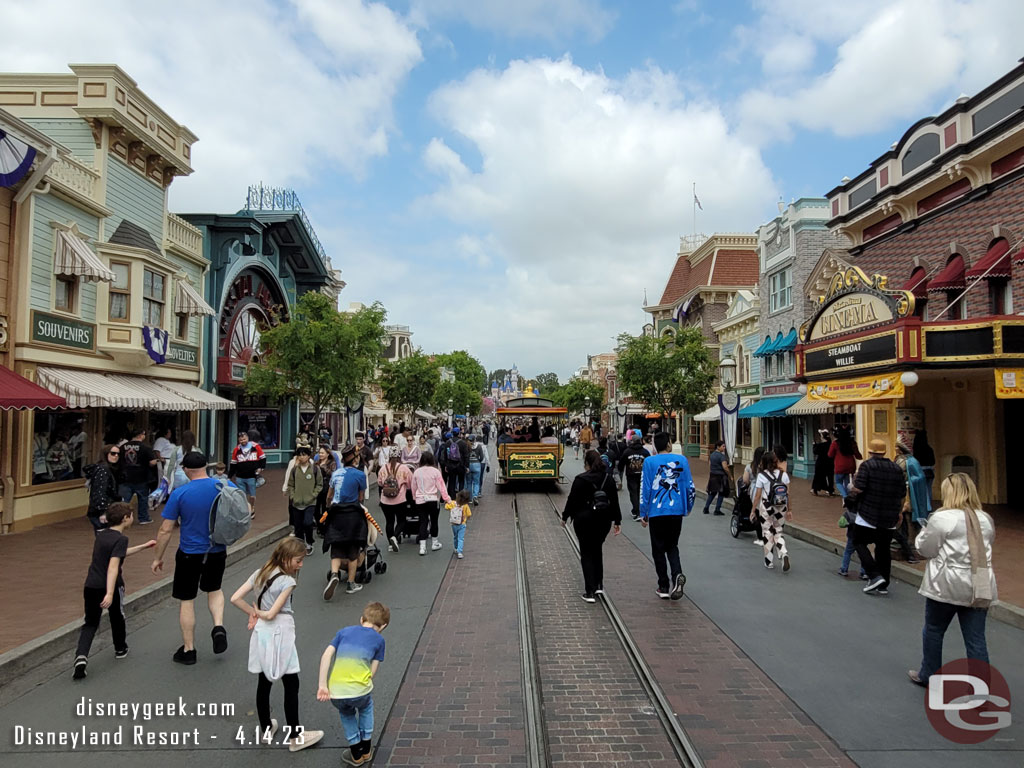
{"type": "Point", "coordinates": [841, 655]}
{"type": "Point", "coordinates": [148, 676]}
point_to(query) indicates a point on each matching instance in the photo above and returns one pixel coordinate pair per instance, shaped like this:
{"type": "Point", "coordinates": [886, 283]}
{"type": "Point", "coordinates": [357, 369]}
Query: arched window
{"type": "Point", "coordinates": [741, 369]}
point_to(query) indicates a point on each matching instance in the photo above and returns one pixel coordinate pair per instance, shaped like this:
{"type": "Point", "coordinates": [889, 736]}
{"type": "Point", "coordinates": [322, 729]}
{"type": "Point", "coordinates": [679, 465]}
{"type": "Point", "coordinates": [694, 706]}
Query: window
{"type": "Point", "coordinates": [60, 445]}
{"type": "Point", "coordinates": [1000, 297]}
{"type": "Point", "coordinates": [791, 362]}
{"type": "Point", "coordinates": [741, 365]}
{"type": "Point", "coordinates": [747, 369]}
{"type": "Point", "coordinates": [120, 291]}
{"type": "Point", "coordinates": [182, 332]}
{"type": "Point", "coordinates": [767, 367]}
{"type": "Point", "coordinates": [957, 307]}
{"type": "Point", "coordinates": [694, 432]}
{"type": "Point", "coordinates": [64, 293]}
{"type": "Point", "coordinates": [781, 286]}
{"type": "Point", "coordinates": [152, 298]}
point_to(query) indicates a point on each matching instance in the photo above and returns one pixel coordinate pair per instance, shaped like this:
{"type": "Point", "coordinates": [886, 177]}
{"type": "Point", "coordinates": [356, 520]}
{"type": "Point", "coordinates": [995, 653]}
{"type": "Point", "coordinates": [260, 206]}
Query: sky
{"type": "Point", "coordinates": [510, 177]}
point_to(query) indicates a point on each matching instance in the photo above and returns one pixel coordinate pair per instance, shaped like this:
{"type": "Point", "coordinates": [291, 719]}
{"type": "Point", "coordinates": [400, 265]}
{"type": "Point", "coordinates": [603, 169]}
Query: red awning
{"type": "Point", "coordinates": [951, 278]}
{"type": "Point", "coordinates": [918, 283]}
{"type": "Point", "coordinates": [996, 263]}
{"type": "Point", "coordinates": [18, 393]}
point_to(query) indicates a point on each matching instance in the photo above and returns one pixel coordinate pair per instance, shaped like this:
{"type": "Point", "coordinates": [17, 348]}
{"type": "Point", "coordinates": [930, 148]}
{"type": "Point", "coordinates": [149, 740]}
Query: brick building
{"type": "Point", "coordinates": [920, 330]}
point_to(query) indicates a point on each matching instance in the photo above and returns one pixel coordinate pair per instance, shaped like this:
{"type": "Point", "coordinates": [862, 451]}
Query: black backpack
{"type": "Point", "coordinates": [599, 503]}
{"type": "Point", "coordinates": [778, 492]}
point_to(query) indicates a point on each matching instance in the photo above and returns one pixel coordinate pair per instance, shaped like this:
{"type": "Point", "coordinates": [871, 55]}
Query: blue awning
{"type": "Point", "coordinates": [788, 344]}
{"type": "Point", "coordinates": [763, 349]}
{"type": "Point", "coordinates": [768, 407]}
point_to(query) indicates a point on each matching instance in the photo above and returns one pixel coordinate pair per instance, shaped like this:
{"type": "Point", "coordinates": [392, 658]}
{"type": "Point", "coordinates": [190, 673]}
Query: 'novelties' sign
{"type": "Point", "coordinates": [183, 354]}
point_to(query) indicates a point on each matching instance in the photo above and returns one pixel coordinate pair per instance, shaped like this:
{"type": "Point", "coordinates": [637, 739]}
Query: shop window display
{"type": "Point", "coordinates": [60, 445]}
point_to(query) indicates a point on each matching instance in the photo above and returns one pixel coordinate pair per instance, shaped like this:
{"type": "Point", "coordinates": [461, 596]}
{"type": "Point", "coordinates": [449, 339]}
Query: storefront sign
{"type": "Point", "coordinates": [908, 422]}
{"type": "Point", "coordinates": [183, 354]}
{"type": "Point", "coordinates": [1009, 383]}
{"type": "Point", "coordinates": [851, 354]}
{"type": "Point", "coordinates": [63, 331]}
{"type": "Point", "coordinates": [750, 389]}
{"type": "Point", "coordinates": [238, 372]}
{"type": "Point", "coordinates": [851, 312]}
{"type": "Point", "coordinates": [861, 389]}
{"type": "Point", "coordinates": [777, 389]}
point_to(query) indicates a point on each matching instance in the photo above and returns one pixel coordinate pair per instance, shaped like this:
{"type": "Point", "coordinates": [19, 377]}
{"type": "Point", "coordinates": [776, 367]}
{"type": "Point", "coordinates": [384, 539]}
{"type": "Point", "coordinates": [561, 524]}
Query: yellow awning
{"type": "Point", "coordinates": [188, 301]}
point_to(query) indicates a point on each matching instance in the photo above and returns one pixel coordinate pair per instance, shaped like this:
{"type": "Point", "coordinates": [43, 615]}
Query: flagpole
{"type": "Point", "coordinates": [695, 208]}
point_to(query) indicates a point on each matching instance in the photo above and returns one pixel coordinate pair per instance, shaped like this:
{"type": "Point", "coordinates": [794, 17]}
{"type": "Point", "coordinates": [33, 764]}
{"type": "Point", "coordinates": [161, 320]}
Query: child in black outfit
{"type": "Point", "coordinates": [104, 585]}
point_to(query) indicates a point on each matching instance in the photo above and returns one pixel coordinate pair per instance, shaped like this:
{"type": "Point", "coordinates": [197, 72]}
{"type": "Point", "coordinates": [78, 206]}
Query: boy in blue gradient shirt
{"type": "Point", "coordinates": [667, 494]}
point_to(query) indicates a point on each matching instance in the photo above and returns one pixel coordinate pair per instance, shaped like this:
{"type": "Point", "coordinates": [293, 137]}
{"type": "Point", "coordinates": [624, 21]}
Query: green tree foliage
{"type": "Point", "coordinates": [409, 384]}
{"type": "Point", "coordinates": [547, 383]}
{"type": "Point", "coordinates": [462, 396]}
{"type": "Point", "coordinates": [667, 374]}
{"type": "Point", "coordinates": [320, 356]}
{"type": "Point", "coordinates": [467, 369]}
{"type": "Point", "coordinates": [574, 396]}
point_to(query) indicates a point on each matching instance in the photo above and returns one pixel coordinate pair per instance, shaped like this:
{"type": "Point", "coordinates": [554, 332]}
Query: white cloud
{"type": "Point", "coordinates": [275, 93]}
{"type": "Point", "coordinates": [550, 19]}
{"type": "Point", "coordinates": [584, 186]}
{"type": "Point", "coordinates": [894, 62]}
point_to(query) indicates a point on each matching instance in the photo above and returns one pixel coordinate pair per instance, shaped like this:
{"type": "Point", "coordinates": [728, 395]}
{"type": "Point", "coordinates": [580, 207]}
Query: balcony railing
{"type": "Point", "coordinates": [76, 178]}
{"type": "Point", "coordinates": [184, 236]}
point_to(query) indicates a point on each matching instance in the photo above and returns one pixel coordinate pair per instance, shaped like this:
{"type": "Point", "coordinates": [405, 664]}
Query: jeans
{"type": "Point", "coordinates": [664, 531]}
{"type": "Point", "coordinates": [718, 504]}
{"type": "Point", "coordinates": [633, 486]}
{"type": "Point", "coordinates": [458, 536]}
{"type": "Point", "coordinates": [142, 490]}
{"type": "Point", "coordinates": [356, 717]}
{"type": "Point", "coordinates": [841, 481]}
{"type": "Point", "coordinates": [937, 617]}
{"type": "Point", "coordinates": [118, 629]}
{"type": "Point", "coordinates": [591, 537]}
{"type": "Point", "coordinates": [476, 472]}
{"type": "Point", "coordinates": [247, 484]}
{"type": "Point", "coordinates": [848, 552]}
{"type": "Point", "coordinates": [881, 563]}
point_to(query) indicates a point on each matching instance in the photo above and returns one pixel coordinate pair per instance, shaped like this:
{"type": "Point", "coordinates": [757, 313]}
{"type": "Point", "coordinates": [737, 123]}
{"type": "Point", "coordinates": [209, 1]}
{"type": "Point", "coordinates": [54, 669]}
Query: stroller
{"type": "Point", "coordinates": [741, 509]}
{"type": "Point", "coordinates": [373, 563]}
{"type": "Point", "coordinates": [411, 525]}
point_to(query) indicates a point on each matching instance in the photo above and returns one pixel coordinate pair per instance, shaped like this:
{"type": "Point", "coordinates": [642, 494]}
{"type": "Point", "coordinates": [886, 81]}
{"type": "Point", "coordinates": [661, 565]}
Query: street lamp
{"type": "Point", "coordinates": [727, 372]}
{"type": "Point", "coordinates": [730, 402]}
{"type": "Point", "coordinates": [587, 410]}
{"type": "Point", "coordinates": [451, 412]}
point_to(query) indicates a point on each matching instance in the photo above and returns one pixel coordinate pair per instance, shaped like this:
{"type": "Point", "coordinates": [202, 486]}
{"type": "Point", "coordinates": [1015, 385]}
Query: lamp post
{"type": "Point", "coordinates": [729, 405]}
{"type": "Point", "coordinates": [451, 412]}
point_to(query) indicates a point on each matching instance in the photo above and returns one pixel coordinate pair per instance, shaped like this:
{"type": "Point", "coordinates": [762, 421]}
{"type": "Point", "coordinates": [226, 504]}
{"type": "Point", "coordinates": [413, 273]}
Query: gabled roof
{"type": "Point", "coordinates": [131, 234]}
{"type": "Point", "coordinates": [724, 267]}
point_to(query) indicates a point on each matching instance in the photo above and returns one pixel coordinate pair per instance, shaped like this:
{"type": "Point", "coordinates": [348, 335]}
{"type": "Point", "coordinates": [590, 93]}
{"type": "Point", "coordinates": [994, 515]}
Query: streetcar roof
{"type": "Point", "coordinates": [532, 411]}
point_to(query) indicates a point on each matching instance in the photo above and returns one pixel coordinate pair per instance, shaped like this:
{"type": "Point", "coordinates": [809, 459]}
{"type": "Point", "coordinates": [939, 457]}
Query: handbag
{"type": "Point", "coordinates": [981, 574]}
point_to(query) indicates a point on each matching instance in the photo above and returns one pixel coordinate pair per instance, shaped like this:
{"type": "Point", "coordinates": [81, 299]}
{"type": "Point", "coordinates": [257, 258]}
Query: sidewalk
{"type": "Point", "coordinates": [820, 514]}
{"type": "Point", "coordinates": [46, 566]}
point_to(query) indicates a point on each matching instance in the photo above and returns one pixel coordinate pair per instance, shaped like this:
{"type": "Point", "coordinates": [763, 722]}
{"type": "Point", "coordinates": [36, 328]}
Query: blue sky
{"type": "Point", "coordinates": [509, 177]}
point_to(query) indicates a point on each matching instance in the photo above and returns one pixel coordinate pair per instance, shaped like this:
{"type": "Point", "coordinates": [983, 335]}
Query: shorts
{"type": "Point", "coordinates": [345, 550]}
{"type": "Point", "coordinates": [202, 571]}
{"type": "Point", "coordinates": [247, 484]}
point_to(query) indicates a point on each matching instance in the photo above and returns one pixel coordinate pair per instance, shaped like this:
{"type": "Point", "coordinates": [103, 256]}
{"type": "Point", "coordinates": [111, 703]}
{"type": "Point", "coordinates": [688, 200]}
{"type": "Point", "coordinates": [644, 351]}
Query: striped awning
{"type": "Point", "coordinates": [713, 414]}
{"type": "Point", "coordinates": [805, 407]}
{"type": "Point", "coordinates": [74, 257]}
{"type": "Point", "coordinates": [164, 399]}
{"type": "Point", "coordinates": [207, 401]}
{"type": "Point", "coordinates": [88, 389]}
{"type": "Point", "coordinates": [188, 301]}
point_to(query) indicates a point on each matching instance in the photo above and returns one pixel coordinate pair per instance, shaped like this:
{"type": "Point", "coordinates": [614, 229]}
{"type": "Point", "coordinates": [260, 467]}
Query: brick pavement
{"type": "Point", "coordinates": [47, 565]}
{"type": "Point", "coordinates": [461, 702]}
{"type": "Point", "coordinates": [594, 706]}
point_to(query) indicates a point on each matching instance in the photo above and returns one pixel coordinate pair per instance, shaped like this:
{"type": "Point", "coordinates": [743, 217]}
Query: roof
{"type": "Point", "coordinates": [531, 411]}
{"type": "Point", "coordinates": [723, 267]}
{"type": "Point", "coordinates": [131, 234]}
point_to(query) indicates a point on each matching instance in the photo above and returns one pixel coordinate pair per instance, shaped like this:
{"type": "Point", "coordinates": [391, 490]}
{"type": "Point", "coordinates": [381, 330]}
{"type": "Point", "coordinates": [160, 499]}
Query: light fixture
{"type": "Point", "coordinates": [909, 378]}
{"type": "Point", "coordinates": [802, 389]}
{"type": "Point", "coordinates": [727, 372]}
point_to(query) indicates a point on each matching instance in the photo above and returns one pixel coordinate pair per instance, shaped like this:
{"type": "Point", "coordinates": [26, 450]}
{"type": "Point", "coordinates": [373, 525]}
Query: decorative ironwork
{"type": "Point", "coordinates": [261, 198]}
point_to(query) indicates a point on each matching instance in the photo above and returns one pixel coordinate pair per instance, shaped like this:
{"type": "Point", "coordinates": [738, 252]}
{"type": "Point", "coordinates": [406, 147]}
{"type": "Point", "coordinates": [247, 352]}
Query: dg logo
{"type": "Point", "coordinates": [968, 701]}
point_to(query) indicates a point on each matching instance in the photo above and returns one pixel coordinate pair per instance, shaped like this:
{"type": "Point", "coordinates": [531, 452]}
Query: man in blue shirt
{"type": "Point", "coordinates": [197, 563]}
{"type": "Point", "coordinates": [667, 494]}
{"type": "Point", "coordinates": [346, 524]}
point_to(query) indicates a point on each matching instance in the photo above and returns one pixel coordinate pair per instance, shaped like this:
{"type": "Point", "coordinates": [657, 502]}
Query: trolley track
{"type": "Point", "coordinates": [684, 751]}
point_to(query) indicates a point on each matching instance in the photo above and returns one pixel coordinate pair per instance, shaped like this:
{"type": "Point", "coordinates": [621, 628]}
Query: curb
{"type": "Point", "coordinates": [27, 656]}
{"type": "Point", "coordinates": [1000, 611]}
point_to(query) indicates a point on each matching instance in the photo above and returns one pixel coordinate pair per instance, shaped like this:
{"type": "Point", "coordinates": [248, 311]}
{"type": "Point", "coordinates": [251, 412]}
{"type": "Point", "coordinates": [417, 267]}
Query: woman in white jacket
{"type": "Point", "coordinates": [958, 580]}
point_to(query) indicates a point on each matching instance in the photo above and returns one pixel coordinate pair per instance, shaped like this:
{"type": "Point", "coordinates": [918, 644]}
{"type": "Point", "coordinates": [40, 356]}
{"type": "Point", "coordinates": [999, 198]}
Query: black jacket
{"type": "Point", "coordinates": [102, 487]}
{"type": "Point", "coordinates": [632, 450]}
{"type": "Point", "coordinates": [584, 485]}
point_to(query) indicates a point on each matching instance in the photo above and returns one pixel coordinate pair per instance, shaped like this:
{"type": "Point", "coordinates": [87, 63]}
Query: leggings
{"type": "Point", "coordinates": [291, 701]}
{"type": "Point", "coordinates": [428, 519]}
{"type": "Point", "coordinates": [393, 514]}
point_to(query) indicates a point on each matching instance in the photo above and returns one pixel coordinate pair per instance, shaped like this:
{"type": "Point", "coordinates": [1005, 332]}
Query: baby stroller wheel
{"type": "Point", "coordinates": [376, 567]}
{"type": "Point", "coordinates": [383, 567]}
{"type": "Point", "coordinates": [734, 526]}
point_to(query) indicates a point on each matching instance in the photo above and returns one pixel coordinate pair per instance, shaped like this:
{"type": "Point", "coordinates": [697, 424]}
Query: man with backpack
{"type": "Point", "coordinates": [455, 466]}
{"type": "Point", "coordinates": [771, 502]}
{"type": "Point", "coordinates": [593, 507]}
{"type": "Point", "coordinates": [203, 508]}
{"type": "Point", "coordinates": [631, 463]}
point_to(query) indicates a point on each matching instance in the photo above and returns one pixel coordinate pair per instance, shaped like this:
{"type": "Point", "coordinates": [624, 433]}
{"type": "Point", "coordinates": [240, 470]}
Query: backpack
{"type": "Point", "coordinates": [636, 463]}
{"type": "Point", "coordinates": [389, 487]}
{"type": "Point", "coordinates": [453, 454]}
{"type": "Point", "coordinates": [455, 515]}
{"type": "Point", "coordinates": [778, 492]}
{"type": "Point", "coordinates": [600, 504]}
{"type": "Point", "coordinates": [230, 516]}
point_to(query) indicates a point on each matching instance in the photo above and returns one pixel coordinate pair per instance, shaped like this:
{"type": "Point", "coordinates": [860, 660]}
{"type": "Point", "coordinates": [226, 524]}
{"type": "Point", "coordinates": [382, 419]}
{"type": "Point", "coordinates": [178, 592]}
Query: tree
{"type": "Point", "coordinates": [467, 369]}
{"type": "Point", "coordinates": [320, 356]}
{"type": "Point", "coordinates": [409, 384]}
{"type": "Point", "coordinates": [667, 374]}
{"type": "Point", "coordinates": [547, 383]}
{"type": "Point", "coordinates": [461, 394]}
{"type": "Point", "coordinates": [574, 396]}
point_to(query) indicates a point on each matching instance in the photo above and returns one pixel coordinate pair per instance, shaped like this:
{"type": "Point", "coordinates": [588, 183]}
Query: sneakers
{"type": "Point", "coordinates": [863, 576]}
{"type": "Point", "coordinates": [636, 518]}
{"type": "Point", "coordinates": [882, 591]}
{"type": "Point", "coordinates": [353, 588]}
{"type": "Point", "coordinates": [332, 584]}
{"type": "Point", "coordinates": [436, 545]}
{"type": "Point", "coordinates": [145, 522]}
{"type": "Point", "coordinates": [719, 512]}
{"type": "Point", "coordinates": [785, 563]}
{"type": "Point", "coordinates": [707, 511]}
{"type": "Point", "coordinates": [915, 678]}
{"type": "Point", "coordinates": [662, 595]}
{"type": "Point", "coordinates": [423, 547]}
{"type": "Point", "coordinates": [81, 662]}
{"type": "Point", "coordinates": [677, 588]}
{"type": "Point", "coordinates": [220, 639]}
{"type": "Point", "coordinates": [599, 590]}
{"type": "Point", "coordinates": [267, 737]}
{"type": "Point", "coordinates": [309, 549]}
{"type": "Point", "coordinates": [459, 555]}
{"type": "Point", "coordinates": [121, 654]}
{"type": "Point", "coordinates": [394, 543]}
{"type": "Point", "coordinates": [842, 573]}
{"type": "Point", "coordinates": [181, 656]}
{"type": "Point", "coordinates": [588, 597]}
{"type": "Point", "coordinates": [358, 754]}
{"type": "Point", "coordinates": [768, 564]}
{"type": "Point", "coordinates": [476, 502]}
{"type": "Point", "coordinates": [303, 740]}
{"type": "Point", "coordinates": [874, 584]}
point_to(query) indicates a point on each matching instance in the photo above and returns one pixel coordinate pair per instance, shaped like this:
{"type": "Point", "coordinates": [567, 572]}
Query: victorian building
{"type": "Point", "coordinates": [707, 274]}
{"type": "Point", "coordinates": [920, 330]}
{"type": "Point", "coordinates": [108, 283]}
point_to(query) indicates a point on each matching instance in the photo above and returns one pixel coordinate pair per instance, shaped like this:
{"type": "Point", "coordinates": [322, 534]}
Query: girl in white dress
{"type": "Point", "coordinates": [272, 652]}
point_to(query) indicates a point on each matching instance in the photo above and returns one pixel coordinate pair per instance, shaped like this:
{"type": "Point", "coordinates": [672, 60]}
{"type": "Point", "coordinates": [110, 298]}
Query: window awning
{"type": "Point", "coordinates": [786, 344]}
{"type": "Point", "coordinates": [165, 399]}
{"type": "Point", "coordinates": [87, 389]}
{"type": "Point", "coordinates": [918, 283]}
{"type": "Point", "coordinates": [951, 278]}
{"type": "Point", "coordinates": [763, 349]}
{"type": "Point", "coordinates": [188, 301]}
{"type": "Point", "coordinates": [995, 263]}
{"type": "Point", "coordinates": [768, 407]}
{"type": "Point", "coordinates": [713, 414]}
{"type": "Point", "coordinates": [807, 407]}
{"type": "Point", "coordinates": [18, 393]}
{"type": "Point", "coordinates": [425, 415]}
{"type": "Point", "coordinates": [74, 257]}
{"type": "Point", "coordinates": [207, 401]}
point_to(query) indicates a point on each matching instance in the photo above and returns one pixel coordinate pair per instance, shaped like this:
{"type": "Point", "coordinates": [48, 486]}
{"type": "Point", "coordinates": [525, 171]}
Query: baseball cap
{"type": "Point", "coordinates": [194, 460]}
